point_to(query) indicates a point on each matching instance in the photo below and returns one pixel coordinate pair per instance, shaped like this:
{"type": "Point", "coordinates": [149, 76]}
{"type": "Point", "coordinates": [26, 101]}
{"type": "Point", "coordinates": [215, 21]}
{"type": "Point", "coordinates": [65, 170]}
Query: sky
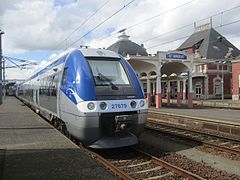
{"type": "Point", "coordinates": [37, 30]}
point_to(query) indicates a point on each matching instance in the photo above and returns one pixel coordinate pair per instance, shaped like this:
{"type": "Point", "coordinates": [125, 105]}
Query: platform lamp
{"type": "Point", "coordinates": [1, 33]}
{"type": "Point", "coordinates": [224, 61]}
{"type": "Point", "coordinates": [222, 79]}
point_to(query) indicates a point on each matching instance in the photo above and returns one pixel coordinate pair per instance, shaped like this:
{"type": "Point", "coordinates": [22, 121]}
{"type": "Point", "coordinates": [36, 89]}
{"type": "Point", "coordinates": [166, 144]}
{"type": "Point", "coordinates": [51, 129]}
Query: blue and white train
{"type": "Point", "coordinates": [91, 94]}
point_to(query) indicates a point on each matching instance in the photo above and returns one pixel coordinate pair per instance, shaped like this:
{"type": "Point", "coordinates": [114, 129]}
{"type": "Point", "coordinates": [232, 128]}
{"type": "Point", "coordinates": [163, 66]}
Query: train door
{"type": "Point", "coordinates": [35, 97]}
{"type": "Point", "coordinates": [60, 98]}
{"type": "Point", "coordinates": [52, 96]}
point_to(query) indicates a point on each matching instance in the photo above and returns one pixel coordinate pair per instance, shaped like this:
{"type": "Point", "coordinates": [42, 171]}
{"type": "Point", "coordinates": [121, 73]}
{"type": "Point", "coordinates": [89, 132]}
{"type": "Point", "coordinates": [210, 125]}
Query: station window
{"type": "Point", "coordinates": [218, 87]}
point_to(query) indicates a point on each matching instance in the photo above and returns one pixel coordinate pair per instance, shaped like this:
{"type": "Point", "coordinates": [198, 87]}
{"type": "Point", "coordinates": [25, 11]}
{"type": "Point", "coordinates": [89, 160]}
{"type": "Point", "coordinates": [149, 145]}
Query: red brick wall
{"type": "Point", "coordinates": [212, 66]}
{"type": "Point", "coordinates": [224, 67]}
{"type": "Point", "coordinates": [227, 83]}
{"type": "Point", "coordinates": [210, 84]}
{"type": "Point", "coordinates": [235, 74]}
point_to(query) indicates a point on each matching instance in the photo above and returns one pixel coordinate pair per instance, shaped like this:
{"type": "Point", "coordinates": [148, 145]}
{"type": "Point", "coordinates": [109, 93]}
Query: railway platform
{"type": "Point", "coordinates": [207, 103]}
{"type": "Point", "coordinates": [224, 122]}
{"type": "Point", "coordinates": [30, 148]}
{"type": "Point", "coordinates": [224, 115]}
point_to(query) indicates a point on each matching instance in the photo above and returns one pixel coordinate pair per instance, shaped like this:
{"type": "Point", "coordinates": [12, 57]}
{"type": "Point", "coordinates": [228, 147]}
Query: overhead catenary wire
{"type": "Point", "coordinates": [102, 22]}
{"type": "Point", "coordinates": [179, 28]}
{"type": "Point", "coordinates": [84, 22]}
{"type": "Point", "coordinates": [187, 25]}
{"type": "Point", "coordinates": [19, 60]}
{"type": "Point", "coordinates": [222, 25]}
{"type": "Point", "coordinates": [24, 63]}
{"type": "Point", "coordinates": [167, 42]}
{"type": "Point", "coordinates": [151, 18]}
{"type": "Point", "coordinates": [155, 16]}
{"type": "Point", "coordinates": [81, 25]}
{"type": "Point", "coordinates": [5, 58]}
{"type": "Point", "coordinates": [165, 12]}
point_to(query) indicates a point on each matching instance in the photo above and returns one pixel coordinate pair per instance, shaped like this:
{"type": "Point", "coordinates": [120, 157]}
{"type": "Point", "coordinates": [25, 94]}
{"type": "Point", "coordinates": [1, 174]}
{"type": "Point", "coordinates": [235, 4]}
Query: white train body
{"type": "Point", "coordinates": [93, 94]}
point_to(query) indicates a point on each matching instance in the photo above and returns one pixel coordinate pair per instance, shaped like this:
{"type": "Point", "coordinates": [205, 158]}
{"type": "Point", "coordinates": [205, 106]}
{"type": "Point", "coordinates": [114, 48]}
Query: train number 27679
{"type": "Point", "coordinates": [119, 106]}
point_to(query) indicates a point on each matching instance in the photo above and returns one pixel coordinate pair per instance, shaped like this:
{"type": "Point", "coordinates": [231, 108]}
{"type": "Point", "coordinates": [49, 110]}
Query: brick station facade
{"type": "Point", "coordinates": [236, 79]}
{"type": "Point", "coordinates": [201, 68]}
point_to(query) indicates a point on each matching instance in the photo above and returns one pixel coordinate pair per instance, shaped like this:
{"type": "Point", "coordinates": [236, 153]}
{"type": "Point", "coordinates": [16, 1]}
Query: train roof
{"type": "Point", "coordinates": [87, 52]}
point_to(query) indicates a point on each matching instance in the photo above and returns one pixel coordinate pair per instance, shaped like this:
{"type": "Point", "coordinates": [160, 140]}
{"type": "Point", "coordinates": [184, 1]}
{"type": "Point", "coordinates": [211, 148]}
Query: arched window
{"type": "Point", "coordinates": [143, 74]}
{"type": "Point", "coordinates": [152, 73]}
{"type": "Point", "coordinates": [198, 89]}
{"type": "Point", "coordinates": [217, 87]}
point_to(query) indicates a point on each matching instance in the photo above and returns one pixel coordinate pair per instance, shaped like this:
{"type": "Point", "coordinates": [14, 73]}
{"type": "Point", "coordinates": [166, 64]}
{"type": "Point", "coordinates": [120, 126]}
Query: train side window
{"type": "Point", "coordinates": [53, 85]}
{"type": "Point", "coordinates": [64, 77]}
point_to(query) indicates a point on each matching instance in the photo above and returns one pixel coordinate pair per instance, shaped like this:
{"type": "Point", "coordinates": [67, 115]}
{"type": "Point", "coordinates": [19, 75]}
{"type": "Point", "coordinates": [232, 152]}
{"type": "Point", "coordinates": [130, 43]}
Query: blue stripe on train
{"type": "Point", "coordinates": [50, 66]}
{"type": "Point", "coordinates": [79, 78]}
{"type": "Point", "coordinates": [80, 82]}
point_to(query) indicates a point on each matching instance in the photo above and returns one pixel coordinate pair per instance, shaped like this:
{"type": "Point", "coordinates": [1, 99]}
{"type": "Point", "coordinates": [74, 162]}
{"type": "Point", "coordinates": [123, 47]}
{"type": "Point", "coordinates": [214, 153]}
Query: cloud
{"type": "Point", "coordinates": [63, 2]}
{"type": "Point", "coordinates": [41, 25]}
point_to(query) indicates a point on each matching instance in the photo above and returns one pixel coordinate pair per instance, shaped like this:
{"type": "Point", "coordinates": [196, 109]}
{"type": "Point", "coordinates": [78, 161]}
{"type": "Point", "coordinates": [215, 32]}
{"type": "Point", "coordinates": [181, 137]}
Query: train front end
{"type": "Point", "coordinates": [111, 103]}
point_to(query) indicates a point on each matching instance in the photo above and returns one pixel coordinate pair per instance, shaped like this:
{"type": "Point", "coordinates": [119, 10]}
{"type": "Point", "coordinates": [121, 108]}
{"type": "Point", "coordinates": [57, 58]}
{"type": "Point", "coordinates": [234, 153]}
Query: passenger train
{"type": "Point", "coordinates": [92, 95]}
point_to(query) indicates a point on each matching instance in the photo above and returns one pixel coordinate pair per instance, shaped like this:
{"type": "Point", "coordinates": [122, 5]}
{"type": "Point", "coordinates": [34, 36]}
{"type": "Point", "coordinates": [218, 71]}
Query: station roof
{"type": "Point", "coordinates": [124, 46]}
{"type": "Point", "coordinates": [210, 44]}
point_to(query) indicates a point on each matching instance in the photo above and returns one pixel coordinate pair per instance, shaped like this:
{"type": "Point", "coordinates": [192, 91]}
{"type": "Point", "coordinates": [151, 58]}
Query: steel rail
{"type": "Point", "coordinates": [161, 163]}
{"type": "Point", "coordinates": [230, 150]}
{"type": "Point", "coordinates": [172, 168]}
{"type": "Point", "coordinates": [109, 165]}
{"type": "Point", "coordinates": [163, 122]}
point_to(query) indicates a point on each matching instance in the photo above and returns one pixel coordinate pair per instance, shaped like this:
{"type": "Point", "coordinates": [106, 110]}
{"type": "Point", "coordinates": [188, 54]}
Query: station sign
{"type": "Point", "coordinates": [176, 56]}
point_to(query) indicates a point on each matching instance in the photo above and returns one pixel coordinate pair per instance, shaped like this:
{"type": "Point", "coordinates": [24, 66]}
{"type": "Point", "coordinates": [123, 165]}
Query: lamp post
{"type": "Point", "coordinates": [1, 33]}
{"type": "Point", "coordinates": [222, 83]}
{"type": "Point", "coordinates": [222, 79]}
{"type": "Point", "coordinates": [226, 60]}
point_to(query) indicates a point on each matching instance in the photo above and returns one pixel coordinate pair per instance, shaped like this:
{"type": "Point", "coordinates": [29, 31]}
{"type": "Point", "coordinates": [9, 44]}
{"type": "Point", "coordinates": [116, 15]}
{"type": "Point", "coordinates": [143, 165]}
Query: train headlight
{"type": "Point", "coordinates": [103, 105]}
{"type": "Point", "coordinates": [142, 103]}
{"type": "Point", "coordinates": [133, 104]}
{"type": "Point", "coordinates": [91, 106]}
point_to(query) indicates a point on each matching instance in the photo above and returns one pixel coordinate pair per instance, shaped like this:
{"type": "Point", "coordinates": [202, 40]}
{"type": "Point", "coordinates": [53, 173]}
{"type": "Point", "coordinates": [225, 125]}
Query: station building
{"type": "Point", "coordinates": [213, 77]}
{"type": "Point", "coordinates": [236, 79]}
{"type": "Point", "coordinates": [199, 69]}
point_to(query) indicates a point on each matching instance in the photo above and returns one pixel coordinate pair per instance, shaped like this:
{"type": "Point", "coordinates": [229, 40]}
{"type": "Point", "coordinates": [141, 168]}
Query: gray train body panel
{"type": "Point", "coordinates": [60, 91]}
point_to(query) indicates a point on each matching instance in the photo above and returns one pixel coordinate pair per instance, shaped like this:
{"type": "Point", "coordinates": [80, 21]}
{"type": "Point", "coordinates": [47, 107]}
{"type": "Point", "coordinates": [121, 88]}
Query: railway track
{"type": "Point", "coordinates": [132, 163]}
{"type": "Point", "coordinates": [217, 142]}
{"type": "Point", "coordinates": [209, 126]}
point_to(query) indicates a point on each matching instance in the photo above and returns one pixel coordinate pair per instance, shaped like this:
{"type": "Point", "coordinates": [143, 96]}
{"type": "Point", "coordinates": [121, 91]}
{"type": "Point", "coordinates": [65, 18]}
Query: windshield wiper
{"type": "Point", "coordinates": [104, 78]}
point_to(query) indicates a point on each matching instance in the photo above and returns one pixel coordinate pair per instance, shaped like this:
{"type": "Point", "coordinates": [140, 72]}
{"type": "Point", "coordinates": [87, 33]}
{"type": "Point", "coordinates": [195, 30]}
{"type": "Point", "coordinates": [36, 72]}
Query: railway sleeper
{"type": "Point", "coordinates": [161, 176]}
{"type": "Point", "coordinates": [145, 171]}
{"type": "Point", "coordinates": [135, 165]}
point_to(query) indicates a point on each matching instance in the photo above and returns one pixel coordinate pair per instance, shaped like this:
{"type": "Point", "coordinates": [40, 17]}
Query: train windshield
{"type": "Point", "coordinates": [108, 72]}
